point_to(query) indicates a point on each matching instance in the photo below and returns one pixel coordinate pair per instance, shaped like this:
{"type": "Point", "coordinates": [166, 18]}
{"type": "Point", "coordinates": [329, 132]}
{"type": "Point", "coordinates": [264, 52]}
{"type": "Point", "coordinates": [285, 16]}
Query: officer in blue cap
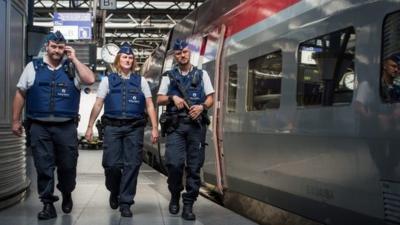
{"type": "Point", "coordinates": [125, 96]}
{"type": "Point", "coordinates": [188, 93]}
{"type": "Point", "coordinates": [56, 37]}
{"type": "Point", "coordinates": [390, 79]}
{"type": "Point", "coordinates": [51, 91]}
{"type": "Point", "coordinates": [126, 48]}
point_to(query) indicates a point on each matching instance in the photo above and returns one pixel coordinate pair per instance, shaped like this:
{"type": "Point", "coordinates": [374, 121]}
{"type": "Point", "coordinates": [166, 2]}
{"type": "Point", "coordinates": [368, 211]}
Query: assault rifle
{"type": "Point", "coordinates": [182, 89]}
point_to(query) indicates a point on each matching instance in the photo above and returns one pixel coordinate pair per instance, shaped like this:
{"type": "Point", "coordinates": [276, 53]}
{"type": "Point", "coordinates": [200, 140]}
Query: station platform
{"type": "Point", "coordinates": [91, 201]}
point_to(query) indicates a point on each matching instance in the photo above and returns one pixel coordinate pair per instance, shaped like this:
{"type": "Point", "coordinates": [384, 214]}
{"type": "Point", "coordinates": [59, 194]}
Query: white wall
{"type": "Point", "coordinates": [86, 105]}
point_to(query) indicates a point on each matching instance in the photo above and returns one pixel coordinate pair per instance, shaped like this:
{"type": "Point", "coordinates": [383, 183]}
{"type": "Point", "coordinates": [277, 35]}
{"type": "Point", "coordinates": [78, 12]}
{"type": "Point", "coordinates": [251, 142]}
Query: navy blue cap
{"type": "Point", "coordinates": [126, 48]}
{"type": "Point", "coordinates": [394, 58]}
{"type": "Point", "coordinates": [56, 37]}
{"type": "Point", "coordinates": [180, 44]}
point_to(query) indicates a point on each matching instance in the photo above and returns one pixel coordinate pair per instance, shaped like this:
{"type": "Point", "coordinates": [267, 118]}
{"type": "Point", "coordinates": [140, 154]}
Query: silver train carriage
{"type": "Point", "coordinates": [13, 173]}
{"type": "Point", "coordinates": [302, 121]}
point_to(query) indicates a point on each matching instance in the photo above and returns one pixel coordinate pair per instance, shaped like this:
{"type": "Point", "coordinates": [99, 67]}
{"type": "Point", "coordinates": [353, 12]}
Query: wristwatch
{"type": "Point", "coordinates": [170, 100]}
{"type": "Point", "coordinates": [204, 106]}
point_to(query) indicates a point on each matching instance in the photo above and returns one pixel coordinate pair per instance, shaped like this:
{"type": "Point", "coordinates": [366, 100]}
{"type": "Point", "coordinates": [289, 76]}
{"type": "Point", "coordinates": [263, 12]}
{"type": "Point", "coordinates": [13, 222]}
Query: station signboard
{"type": "Point", "coordinates": [73, 25]}
{"type": "Point", "coordinates": [108, 4]}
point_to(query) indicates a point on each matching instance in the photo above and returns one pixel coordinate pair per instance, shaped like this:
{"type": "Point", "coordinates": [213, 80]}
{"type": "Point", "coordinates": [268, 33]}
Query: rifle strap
{"type": "Point", "coordinates": [181, 88]}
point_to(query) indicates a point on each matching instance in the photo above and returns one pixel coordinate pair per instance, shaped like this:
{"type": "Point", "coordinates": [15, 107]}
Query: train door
{"type": "Point", "coordinates": [217, 121]}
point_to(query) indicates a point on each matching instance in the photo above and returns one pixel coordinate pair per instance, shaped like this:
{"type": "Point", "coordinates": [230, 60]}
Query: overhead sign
{"type": "Point", "coordinates": [307, 55]}
{"type": "Point", "coordinates": [74, 26]}
{"type": "Point", "coordinates": [108, 4]}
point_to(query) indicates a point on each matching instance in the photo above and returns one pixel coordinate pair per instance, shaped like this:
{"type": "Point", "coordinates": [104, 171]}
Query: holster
{"type": "Point", "coordinates": [77, 120]}
{"type": "Point", "coordinates": [163, 123]}
{"type": "Point", "coordinates": [168, 122]}
{"type": "Point", "coordinates": [100, 129]}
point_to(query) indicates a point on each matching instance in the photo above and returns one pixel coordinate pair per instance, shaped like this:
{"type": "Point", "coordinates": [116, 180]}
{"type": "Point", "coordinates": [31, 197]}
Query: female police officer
{"type": "Point", "coordinates": [124, 95]}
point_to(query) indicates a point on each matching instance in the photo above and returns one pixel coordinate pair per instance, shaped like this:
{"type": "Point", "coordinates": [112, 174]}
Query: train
{"type": "Point", "coordinates": [14, 181]}
{"type": "Point", "coordinates": [300, 124]}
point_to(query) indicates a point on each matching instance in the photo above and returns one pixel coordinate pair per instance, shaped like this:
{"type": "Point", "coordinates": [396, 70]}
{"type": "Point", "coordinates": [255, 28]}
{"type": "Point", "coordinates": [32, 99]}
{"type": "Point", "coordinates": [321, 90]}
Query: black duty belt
{"type": "Point", "coordinates": [123, 122]}
{"type": "Point", "coordinates": [186, 119]}
{"type": "Point", "coordinates": [51, 123]}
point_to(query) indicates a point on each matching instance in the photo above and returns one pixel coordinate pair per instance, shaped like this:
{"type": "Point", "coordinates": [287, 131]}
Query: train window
{"type": "Point", "coordinates": [264, 84]}
{"type": "Point", "coordinates": [232, 88]}
{"type": "Point", "coordinates": [3, 55]}
{"type": "Point", "coordinates": [390, 75]}
{"type": "Point", "coordinates": [326, 69]}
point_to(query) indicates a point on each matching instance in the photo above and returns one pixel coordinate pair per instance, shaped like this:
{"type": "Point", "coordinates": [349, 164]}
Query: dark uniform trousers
{"type": "Point", "coordinates": [185, 144]}
{"type": "Point", "coordinates": [54, 145]}
{"type": "Point", "coordinates": [122, 158]}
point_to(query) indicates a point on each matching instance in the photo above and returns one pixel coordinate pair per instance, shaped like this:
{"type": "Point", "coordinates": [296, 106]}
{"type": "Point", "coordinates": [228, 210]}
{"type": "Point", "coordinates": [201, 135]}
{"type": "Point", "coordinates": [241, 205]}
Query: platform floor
{"type": "Point", "coordinates": [91, 202]}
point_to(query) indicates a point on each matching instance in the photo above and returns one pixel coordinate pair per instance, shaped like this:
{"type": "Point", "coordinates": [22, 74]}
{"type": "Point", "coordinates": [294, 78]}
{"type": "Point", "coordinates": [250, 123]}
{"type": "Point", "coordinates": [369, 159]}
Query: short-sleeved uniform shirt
{"type": "Point", "coordinates": [104, 88]}
{"type": "Point", "coordinates": [208, 88]}
{"type": "Point", "coordinates": [29, 74]}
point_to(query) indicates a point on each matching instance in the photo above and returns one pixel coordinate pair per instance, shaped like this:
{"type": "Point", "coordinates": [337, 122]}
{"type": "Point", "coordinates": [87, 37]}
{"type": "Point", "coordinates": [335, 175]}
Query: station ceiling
{"type": "Point", "coordinates": [143, 23]}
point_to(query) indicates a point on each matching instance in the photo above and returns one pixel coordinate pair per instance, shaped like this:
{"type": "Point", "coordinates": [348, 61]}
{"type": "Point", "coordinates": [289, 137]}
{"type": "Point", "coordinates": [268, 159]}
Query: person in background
{"type": "Point", "coordinates": [188, 94]}
{"type": "Point", "coordinates": [390, 84]}
{"type": "Point", "coordinates": [51, 91]}
{"type": "Point", "coordinates": [125, 96]}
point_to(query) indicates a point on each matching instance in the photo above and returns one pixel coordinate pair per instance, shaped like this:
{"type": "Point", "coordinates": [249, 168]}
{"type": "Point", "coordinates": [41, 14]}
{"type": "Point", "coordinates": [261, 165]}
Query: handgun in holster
{"type": "Point", "coordinates": [163, 123]}
{"type": "Point", "coordinates": [169, 123]}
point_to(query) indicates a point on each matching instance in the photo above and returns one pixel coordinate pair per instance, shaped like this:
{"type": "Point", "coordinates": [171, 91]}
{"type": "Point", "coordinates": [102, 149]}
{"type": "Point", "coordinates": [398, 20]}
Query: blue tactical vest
{"type": "Point", "coordinates": [53, 93]}
{"type": "Point", "coordinates": [125, 99]}
{"type": "Point", "coordinates": [193, 85]}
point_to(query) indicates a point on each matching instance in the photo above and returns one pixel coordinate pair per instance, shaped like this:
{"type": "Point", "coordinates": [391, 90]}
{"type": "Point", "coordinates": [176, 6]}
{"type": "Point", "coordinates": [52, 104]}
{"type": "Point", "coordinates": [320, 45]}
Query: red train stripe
{"type": "Point", "coordinates": [253, 11]}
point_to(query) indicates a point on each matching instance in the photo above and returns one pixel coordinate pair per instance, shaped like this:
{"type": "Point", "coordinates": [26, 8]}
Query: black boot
{"type": "Point", "coordinates": [187, 213]}
{"type": "Point", "coordinates": [125, 211]}
{"type": "Point", "coordinates": [67, 202]}
{"type": "Point", "coordinates": [47, 212]}
{"type": "Point", "coordinates": [174, 204]}
{"type": "Point", "coordinates": [113, 200]}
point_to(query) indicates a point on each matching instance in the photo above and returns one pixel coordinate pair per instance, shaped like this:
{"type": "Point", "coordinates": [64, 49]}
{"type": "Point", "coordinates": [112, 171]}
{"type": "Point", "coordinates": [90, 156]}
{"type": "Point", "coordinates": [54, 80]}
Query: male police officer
{"type": "Point", "coordinates": [188, 93]}
{"type": "Point", "coordinates": [52, 94]}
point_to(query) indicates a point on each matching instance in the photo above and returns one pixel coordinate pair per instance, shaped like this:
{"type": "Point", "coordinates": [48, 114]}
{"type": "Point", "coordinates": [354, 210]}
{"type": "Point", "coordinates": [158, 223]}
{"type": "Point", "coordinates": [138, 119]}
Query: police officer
{"type": "Point", "coordinates": [125, 96]}
{"type": "Point", "coordinates": [186, 142]}
{"type": "Point", "coordinates": [52, 93]}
